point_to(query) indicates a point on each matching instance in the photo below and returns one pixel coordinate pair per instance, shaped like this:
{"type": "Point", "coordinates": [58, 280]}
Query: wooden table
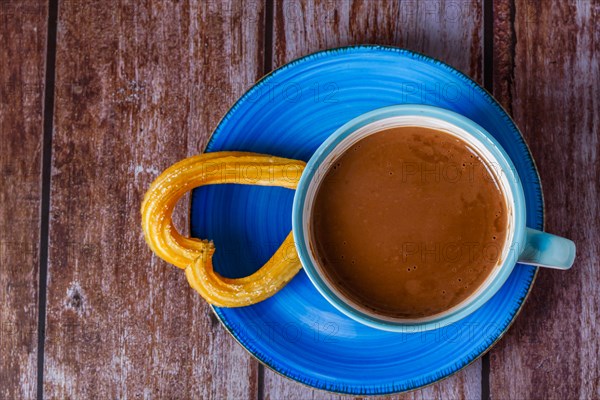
{"type": "Point", "coordinates": [97, 97]}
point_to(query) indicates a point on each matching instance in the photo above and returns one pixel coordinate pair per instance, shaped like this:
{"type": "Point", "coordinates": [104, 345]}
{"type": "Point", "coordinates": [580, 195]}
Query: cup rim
{"type": "Point", "coordinates": [331, 143]}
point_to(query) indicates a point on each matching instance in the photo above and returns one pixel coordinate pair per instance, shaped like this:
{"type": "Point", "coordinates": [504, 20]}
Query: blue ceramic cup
{"type": "Point", "coordinates": [523, 245]}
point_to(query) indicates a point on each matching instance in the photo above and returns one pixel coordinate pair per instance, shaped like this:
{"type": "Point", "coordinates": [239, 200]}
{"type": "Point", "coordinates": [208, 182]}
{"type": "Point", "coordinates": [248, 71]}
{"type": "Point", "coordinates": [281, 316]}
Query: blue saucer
{"type": "Point", "coordinates": [289, 113]}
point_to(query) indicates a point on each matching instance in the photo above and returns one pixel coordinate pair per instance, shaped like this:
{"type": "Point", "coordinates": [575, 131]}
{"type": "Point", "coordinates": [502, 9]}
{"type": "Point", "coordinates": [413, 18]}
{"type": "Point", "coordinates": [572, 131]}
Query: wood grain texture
{"type": "Point", "coordinates": [139, 86]}
{"type": "Point", "coordinates": [552, 351]}
{"type": "Point", "coordinates": [22, 60]}
{"type": "Point", "coordinates": [503, 53]}
{"type": "Point", "coordinates": [448, 30]}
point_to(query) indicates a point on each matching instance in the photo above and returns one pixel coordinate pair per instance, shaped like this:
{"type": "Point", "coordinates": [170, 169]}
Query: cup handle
{"type": "Point", "coordinates": [547, 250]}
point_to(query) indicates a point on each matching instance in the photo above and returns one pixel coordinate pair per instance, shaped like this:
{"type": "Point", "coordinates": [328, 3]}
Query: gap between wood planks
{"type": "Point", "coordinates": [48, 115]}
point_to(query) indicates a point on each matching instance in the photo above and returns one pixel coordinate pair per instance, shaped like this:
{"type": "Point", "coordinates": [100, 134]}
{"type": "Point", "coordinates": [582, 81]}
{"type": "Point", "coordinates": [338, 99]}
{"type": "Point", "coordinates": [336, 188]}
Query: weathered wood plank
{"type": "Point", "coordinates": [552, 351]}
{"type": "Point", "coordinates": [140, 85]}
{"type": "Point", "coordinates": [503, 53]}
{"type": "Point", "coordinates": [22, 72]}
{"type": "Point", "coordinates": [448, 30]}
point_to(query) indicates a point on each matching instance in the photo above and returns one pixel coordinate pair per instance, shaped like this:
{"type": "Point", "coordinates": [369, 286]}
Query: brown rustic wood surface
{"type": "Point", "coordinates": [553, 349]}
{"type": "Point", "coordinates": [138, 85]}
{"type": "Point", "coordinates": [22, 60]}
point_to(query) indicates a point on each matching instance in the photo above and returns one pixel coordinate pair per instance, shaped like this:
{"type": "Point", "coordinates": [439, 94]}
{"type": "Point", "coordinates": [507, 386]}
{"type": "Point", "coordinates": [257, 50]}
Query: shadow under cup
{"type": "Point", "coordinates": [491, 155]}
